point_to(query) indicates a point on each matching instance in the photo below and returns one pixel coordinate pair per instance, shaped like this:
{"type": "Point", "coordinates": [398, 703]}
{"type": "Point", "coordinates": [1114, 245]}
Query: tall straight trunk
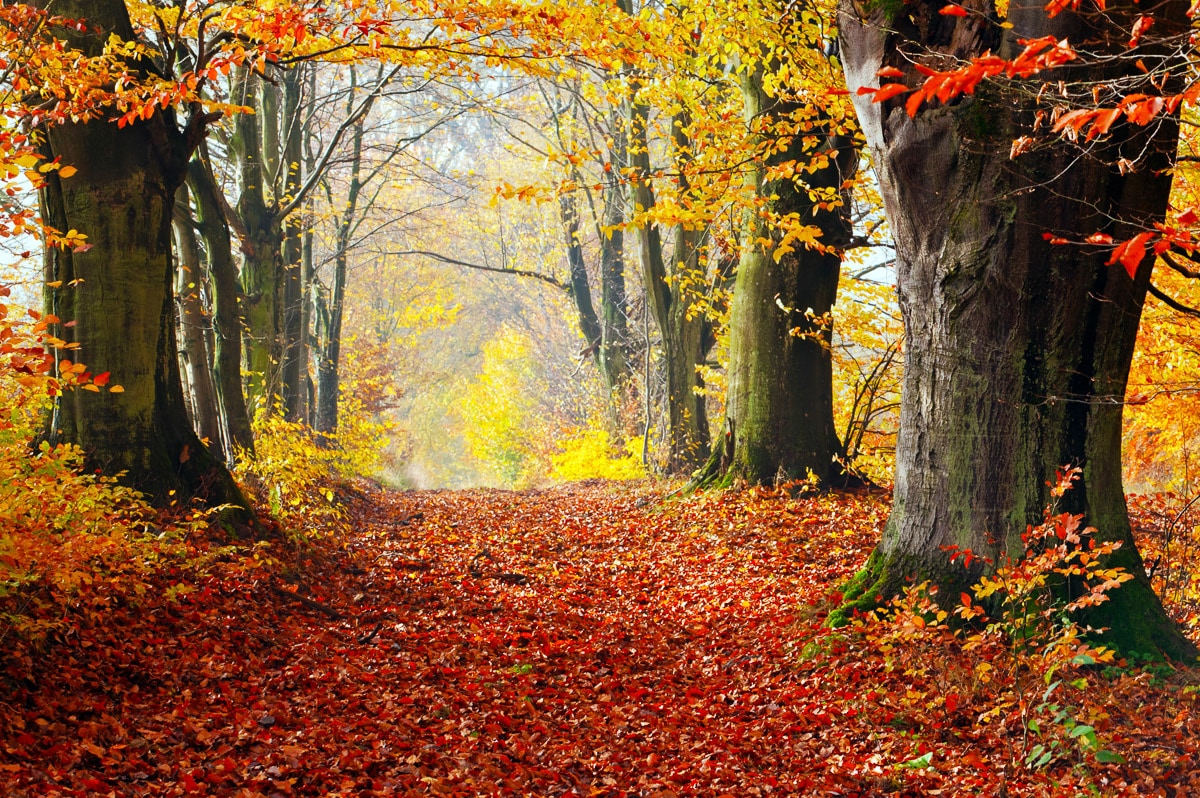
{"type": "Point", "coordinates": [779, 404]}
{"type": "Point", "coordinates": [193, 326]}
{"type": "Point", "coordinates": [122, 197]}
{"type": "Point", "coordinates": [293, 317]}
{"type": "Point", "coordinates": [262, 270]}
{"type": "Point", "coordinates": [683, 338]}
{"type": "Point", "coordinates": [332, 307]}
{"type": "Point", "coordinates": [227, 318]}
{"type": "Point", "coordinates": [614, 326]}
{"type": "Point", "coordinates": [1017, 351]}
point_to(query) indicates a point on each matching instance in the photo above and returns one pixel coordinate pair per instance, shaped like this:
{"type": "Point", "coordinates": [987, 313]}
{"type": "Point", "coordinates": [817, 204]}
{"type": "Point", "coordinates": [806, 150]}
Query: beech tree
{"type": "Point", "coordinates": [779, 403]}
{"type": "Point", "coordinates": [779, 422]}
{"type": "Point", "coordinates": [1018, 347]}
{"type": "Point", "coordinates": [117, 290]}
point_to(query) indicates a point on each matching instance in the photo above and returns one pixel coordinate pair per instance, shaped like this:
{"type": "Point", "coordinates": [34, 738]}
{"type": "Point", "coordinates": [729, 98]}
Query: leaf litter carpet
{"type": "Point", "coordinates": [584, 641]}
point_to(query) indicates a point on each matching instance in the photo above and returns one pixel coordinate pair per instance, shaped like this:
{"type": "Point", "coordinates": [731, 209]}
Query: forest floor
{"type": "Point", "coordinates": [583, 641]}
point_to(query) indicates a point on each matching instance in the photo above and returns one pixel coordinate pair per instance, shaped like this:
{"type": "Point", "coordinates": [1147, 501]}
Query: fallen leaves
{"type": "Point", "coordinates": [653, 649]}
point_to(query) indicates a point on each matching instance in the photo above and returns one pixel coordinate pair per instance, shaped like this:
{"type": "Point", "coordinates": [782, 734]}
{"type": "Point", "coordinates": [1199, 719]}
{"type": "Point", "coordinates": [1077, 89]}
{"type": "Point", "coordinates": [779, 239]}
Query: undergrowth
{"type": "Point", "coordinates": [1014, 659]}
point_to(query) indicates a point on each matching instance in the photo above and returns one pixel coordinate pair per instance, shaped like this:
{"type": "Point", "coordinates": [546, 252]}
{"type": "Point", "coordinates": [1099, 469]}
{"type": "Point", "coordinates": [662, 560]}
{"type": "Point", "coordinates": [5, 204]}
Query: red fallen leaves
{"type": "Point", "coordinates": [652, 649]}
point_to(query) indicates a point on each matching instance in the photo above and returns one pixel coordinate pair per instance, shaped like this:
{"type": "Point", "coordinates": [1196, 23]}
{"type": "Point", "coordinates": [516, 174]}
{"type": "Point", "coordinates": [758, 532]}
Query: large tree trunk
{"type": "Point", "coordinates": [779, 406]}
{"type": "Point", "coordinates": [1017, 351]}
{"type": "Point", "coordinates": [123, 308]}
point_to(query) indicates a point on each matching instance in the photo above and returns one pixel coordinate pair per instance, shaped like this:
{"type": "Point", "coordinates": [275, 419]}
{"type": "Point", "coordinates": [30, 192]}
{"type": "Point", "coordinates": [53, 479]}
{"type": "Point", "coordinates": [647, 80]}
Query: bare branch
{"type": "Point", "coordinates": [545, 278]}
{"type": "Point", "coordinates": [1174, 304]}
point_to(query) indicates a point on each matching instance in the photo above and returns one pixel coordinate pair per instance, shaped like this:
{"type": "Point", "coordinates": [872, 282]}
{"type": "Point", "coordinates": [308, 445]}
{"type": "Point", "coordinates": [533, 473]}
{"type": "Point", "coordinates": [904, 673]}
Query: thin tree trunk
{"type": "Point", "coordinates": [293, 317]}
{"type": "Point", "coordinates": [682, 338]}
{"type": "Point", "coordinates": [328, 379]}
{"type": "Point", "coordinates": [581, 292]}
{"type": "Point", "coordinates": [1017, 351]}
{"type": "Point", "coordinates": [614, 325]}
{"type": "Point", "coordinates": [227, 319]}
{"type": "Point", "coordinates": [193, 326]}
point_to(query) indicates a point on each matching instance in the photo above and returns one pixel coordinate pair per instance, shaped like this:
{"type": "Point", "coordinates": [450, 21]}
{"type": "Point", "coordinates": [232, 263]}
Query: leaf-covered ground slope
{"type": "Point", "coordinates": [586, 641]}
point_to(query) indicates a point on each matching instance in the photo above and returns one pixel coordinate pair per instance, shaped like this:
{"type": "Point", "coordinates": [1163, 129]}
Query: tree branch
{"type": "Point", "coordinates": [323, 160]}
{"type": "Point", "coordinates": [545, 278]}
{"type": "Point", "coordinates": [1174, 304]}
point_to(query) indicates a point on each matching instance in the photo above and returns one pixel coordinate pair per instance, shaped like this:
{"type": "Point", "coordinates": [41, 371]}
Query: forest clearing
{"type": "Point", "coordinates": [606, 398]}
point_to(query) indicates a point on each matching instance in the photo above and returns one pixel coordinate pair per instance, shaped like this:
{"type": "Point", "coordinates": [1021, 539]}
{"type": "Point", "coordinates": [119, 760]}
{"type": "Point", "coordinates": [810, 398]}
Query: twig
{"type": "Point", "coordinates": [306, 601]}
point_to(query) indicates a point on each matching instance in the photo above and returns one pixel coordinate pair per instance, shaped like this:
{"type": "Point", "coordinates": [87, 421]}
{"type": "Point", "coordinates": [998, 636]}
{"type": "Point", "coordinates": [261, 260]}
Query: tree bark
{"type": "Point", "coordinates": [193, 326]}
{"type": "Point", "coordinates": [683, 335]}
{"type": "Point", "coordinates": [331, 307]}
{"type": "Point", "coordinates": [779, 406]}
{"type": "Point", "coordinates": [123, 308]}
{"type": "Point", "coordinates": [1018, 351]}
{"type": "Point", "coordinates": [227, 318]}
{"type": "Point", "coordinates": [262, 248]}
{"type": "Point", "coordinates": [294, 330]}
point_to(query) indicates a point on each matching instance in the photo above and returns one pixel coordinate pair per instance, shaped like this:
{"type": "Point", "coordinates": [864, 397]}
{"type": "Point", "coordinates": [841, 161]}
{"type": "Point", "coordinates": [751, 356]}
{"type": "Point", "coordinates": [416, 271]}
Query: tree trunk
{"type": "Point", "coordinates": [193, 325]}
{"type": "Point", "coordinates": [1017, 351]}
{"type": "Point", "coordinates": [332, 307]}
{"type": "Point", "coordinates": [683, 338]}
{"type": "Point", "coordinates": [580, 290]}
{"type": "Point", "coordinates": [227, 319]}
{"type": "Point", "coordinates": [293, 317]}
{"type": "Point", "coordinates": [779, 405]}
{"type": "Point", "coordinates": [262, 269]}
{"type": "Point", "coordinates": [614, 327]}
{"type": "Point", "coordinates": [123, 308]}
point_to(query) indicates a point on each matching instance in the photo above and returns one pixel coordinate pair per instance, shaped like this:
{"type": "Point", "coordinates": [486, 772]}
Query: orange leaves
{"type": "Point", "coordinates": [1140, 109]}
{"type": "Point", "coordinates": [888, 91]}
{"type": "Point", "coordinates": [1140, 26]}
{"type": "Point", "coordinates": [1038, 55]}
{"type": "Point", "coordinates": [1131, 253]}
{"type": "Point", "coordinates": [952, 11]}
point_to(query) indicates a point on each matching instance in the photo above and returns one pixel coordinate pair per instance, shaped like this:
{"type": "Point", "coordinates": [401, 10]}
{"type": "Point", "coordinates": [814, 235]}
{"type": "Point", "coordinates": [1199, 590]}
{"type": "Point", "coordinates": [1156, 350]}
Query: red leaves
{"type": "Point", "coordinates": [888, 91]}
{"type": "Point", "coordinates": [676, 650]}
{"type": "Point", "coordinates": [1130, 253]}
{"type": "Point", "coordinates": [1037, 55]}
{"type": "Point", "coordinates": [952, 11]}
{"type": "Point", "coordinates": [1140, 26]}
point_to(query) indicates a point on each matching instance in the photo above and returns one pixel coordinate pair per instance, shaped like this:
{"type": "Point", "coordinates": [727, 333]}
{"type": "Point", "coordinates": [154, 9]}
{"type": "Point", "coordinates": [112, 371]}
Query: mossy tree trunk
{"type": "Point", "coordinates": [261, 231]}
{"type": "Point", "coordinates": [1017, 350]}
{"type": "Point", "coordinates": [779, 406]}
{"type": "Point", "coordinates": [119, 292]}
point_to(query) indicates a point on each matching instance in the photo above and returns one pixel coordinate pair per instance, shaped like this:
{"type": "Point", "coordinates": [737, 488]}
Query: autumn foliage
{"type": "Point", "coordinates": [578, 641]}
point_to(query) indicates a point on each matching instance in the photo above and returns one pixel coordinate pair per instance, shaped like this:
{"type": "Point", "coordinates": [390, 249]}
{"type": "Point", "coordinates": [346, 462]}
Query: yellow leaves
{"type": "Point", "coordinates": [526, 193]}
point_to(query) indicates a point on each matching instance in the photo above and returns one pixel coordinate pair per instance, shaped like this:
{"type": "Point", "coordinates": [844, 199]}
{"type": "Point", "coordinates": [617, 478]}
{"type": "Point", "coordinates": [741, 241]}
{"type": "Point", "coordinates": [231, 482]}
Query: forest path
{"type": "Point", "coordinates": [581, 641]}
